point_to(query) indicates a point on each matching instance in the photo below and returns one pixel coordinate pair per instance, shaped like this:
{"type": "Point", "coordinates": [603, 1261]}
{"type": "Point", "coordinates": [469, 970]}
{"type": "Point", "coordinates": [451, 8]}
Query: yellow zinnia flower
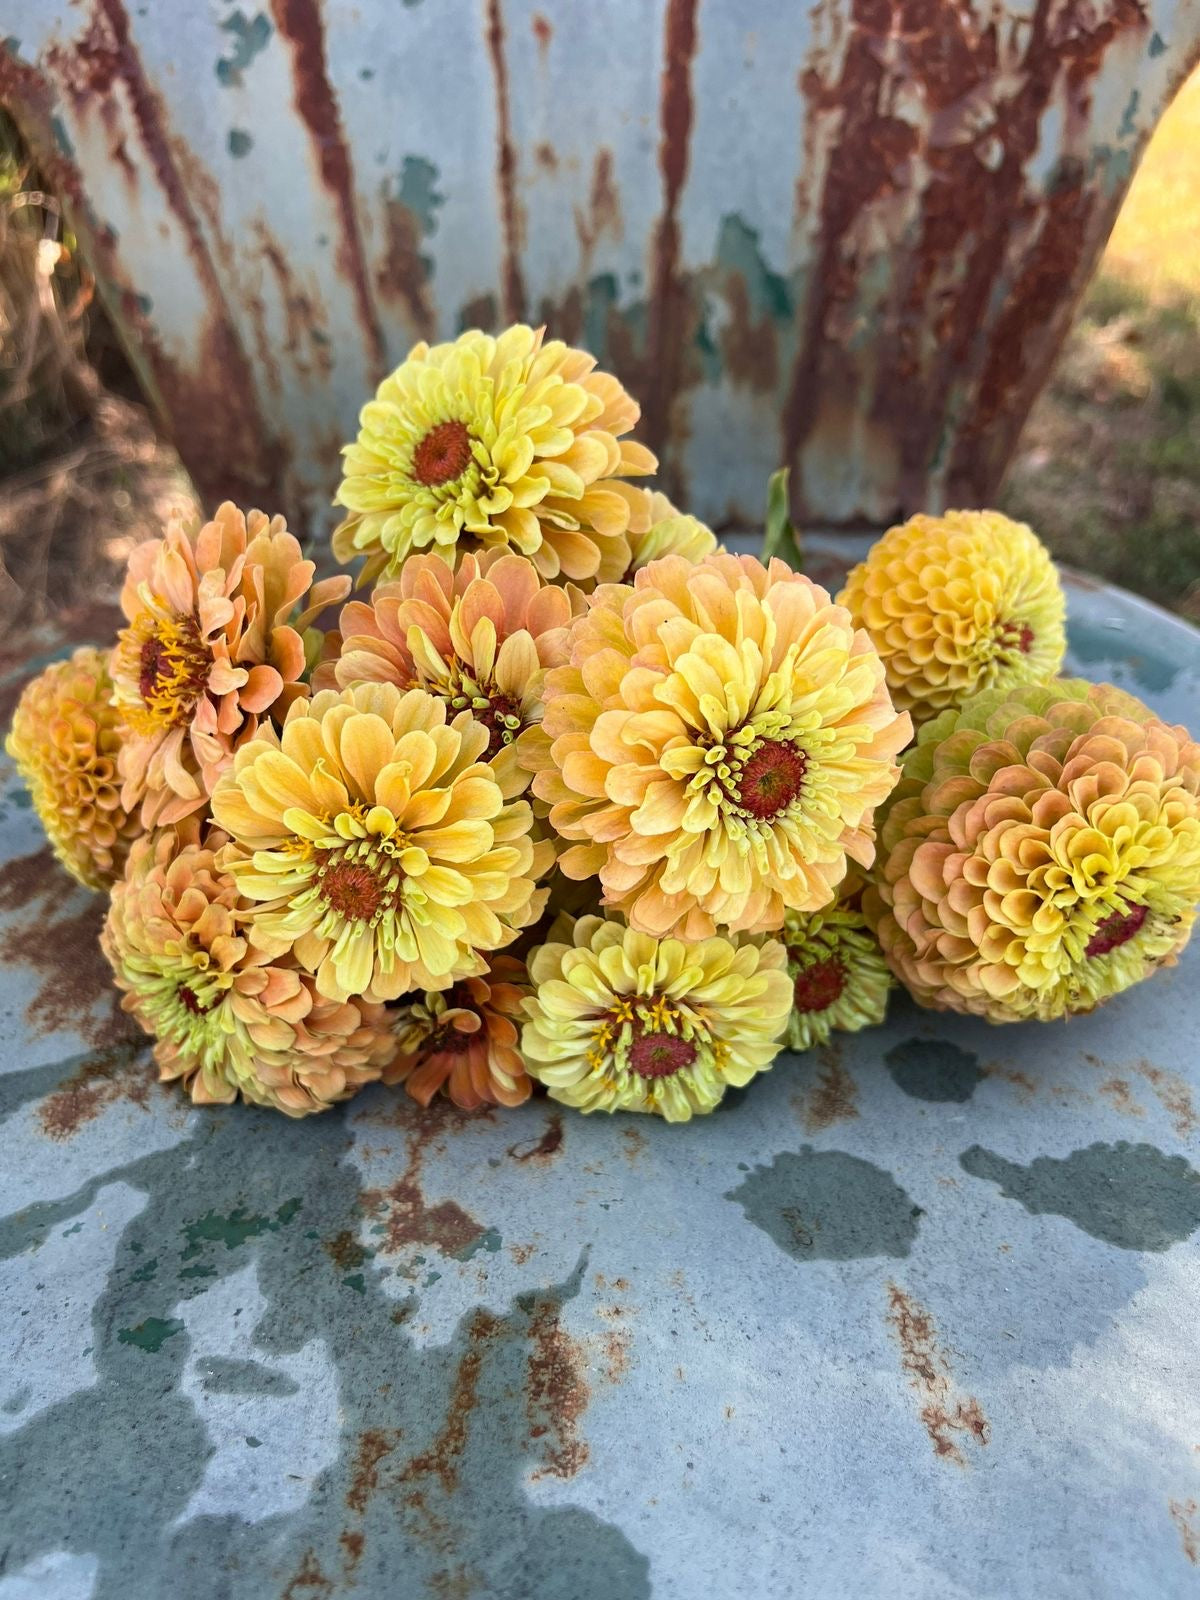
{"type": "Point", "coordinates": [1041, 853]}
{"type": "Point", "coordinates": [956, 604]}
{"type": "Point", "coordinates": [719, 740]}
{"type": "Point", "coordinates": [214, 641]}
{"type": "Point", "coordinates": [65, 739]}
{"type": "Point", "coordinates": [840, 981]}
{"type": "Point", "coordinates": [621, 1021]}
{"type": "Point", "coordinates": [228, 1019]}
{"type": "Point", "coordinates": [507, 441]}
{"type": "Point", "coordinates": [376, 840]}
{"type": "Point", "coordinates": [657, 529]}
{"type": "Point", "coordinates": [480, 637]}
{"type": "Point", "coordinates": [462, 1042]}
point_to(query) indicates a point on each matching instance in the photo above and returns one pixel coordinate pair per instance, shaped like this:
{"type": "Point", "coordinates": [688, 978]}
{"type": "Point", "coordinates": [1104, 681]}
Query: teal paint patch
{"type": "Point", "coordinates": [1156, 46]}
{"type": "Point", "coordinates": [253, 1442]}
{"type": "Point", "coordinates": [240, 143]}
{"type": "Point", "coordinates": [145, 1272]}
{"type": "Point", "coordinates": [225, 1375]}
{"type": "Point", "coordinates": [199, 1270]}
{"type": "Point", "coordinates": [707, 349]}
{"type": "Point", "coordinates": [152, 1334]}
{"type": "Point", "coordinates": [739, 251]}
{"type": "Point", "coordinates": [1127, 130]}
{"type": "Point", "coordinates": [419, 191]}
{"type": "Point", "coordinates": [356, 1281]}
{"type": "Point", "coordinates": [828, 1206]}
{"type": "Point", "coordinates": [67, 1232]}
{"type": "Point", "coordinates": [1130, 1195]}
{"type": "Point", "coordinates": [934, 1069]}
{"type": "Point", "coordinates": [236, 1229]}
{"type": "Point", "coordinates": [249, 36]}
{"type": "Point", "coordinates": [488, 1240]}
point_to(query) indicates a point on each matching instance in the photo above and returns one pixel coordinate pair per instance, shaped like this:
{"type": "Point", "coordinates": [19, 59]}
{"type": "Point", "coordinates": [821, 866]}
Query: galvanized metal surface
{"type": "Point", "coordinates": [915, 1314]}
{"type": "Point", "coordinates": [849, 236]}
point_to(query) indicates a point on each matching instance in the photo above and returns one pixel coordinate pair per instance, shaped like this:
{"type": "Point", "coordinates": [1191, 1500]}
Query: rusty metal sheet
{"type": "Point", "coordinates": [913, 1314]}
{"type": "Point", "coordinates": [849, 237]}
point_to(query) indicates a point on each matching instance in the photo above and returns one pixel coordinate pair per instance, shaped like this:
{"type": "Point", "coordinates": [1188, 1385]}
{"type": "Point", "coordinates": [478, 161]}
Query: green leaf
{"type": "Point", "coordinates": [781, 538]}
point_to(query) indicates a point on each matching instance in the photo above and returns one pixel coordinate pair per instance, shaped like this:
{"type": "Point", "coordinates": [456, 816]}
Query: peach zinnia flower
{"type": "Point", "coordinates": [657, 529]}
{"type": "Point", "coordinates": [213, 642]}
{"type": "Point", "coordinates": [480, 638]}
{"type": "Point", "coordinates": [718, 742]}
{"type": "Point", "coordinates": [1041, 853]}
{"type": "Point", "coordinates": [228, 1019]}
{"type": "Point", "coordinates": [510, 441]}
{"type": "Point", "coordinates": [956, 604]}
{"type": "Point", "coordinates": [462, 1042]}
{"type": "Point", "coordinates": [376, 841]}
{"type": "Point", "coordinates": [65, 740]}
{"type": "Point", "coordinates": [621, 1021]}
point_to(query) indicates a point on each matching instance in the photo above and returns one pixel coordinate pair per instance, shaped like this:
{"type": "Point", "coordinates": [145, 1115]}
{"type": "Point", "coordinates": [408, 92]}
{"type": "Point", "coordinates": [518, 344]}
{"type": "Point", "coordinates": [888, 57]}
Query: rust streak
{"type": "Point", "coordinates": [1183, 1515]}
{"type": "Point", "coordinates": [556, 1394]}
{"type": "Point", "coordinates": [669, 298]}
{"type": "Point", "coordinates": [1174, 1095]}
{"type": "Point", "coordinates": [833, 1098]}
{"type": "Point", "coordinates": [109, 1077]}
{"type": "Point", "coordinates": [309, 1582]}
{"type": "Point", "coordinates": [444, 1455]}
{"type": "Point", "coordinates": [511, 219]}
{"type": "Point", "coordinates": [546, 1148]}
{"type": "Point", "coordinates": [374, 1444]}
{"type": "Point", "coordinates": [300, 23]}
{"type": "Point", "coordinates": [944, 1411]}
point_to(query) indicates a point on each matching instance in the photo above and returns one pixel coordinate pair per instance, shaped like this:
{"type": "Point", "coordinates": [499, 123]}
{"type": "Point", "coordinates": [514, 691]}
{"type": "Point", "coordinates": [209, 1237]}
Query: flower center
{"type": "Point", "coordinates": [818, 986]}
{"type": "Point", "coordinates": [1116, 930]}
{"type": "Point", "coordinates": [442, 454]}
{"type": "Point", "coordinates": [448, 1040]}
{"type": "Point", "coordinates": [191, 1001]}
{"type": "Point", "coordinates": [771, 779]}
{"type": "Point", "coordinates": [660, 1055]}
{"type": "Point", "coordinates": [1015, 636]}
{"type": "Point", "coordinates": [352, 888]}
{"type": "Point", "coordinates": [172, 665]}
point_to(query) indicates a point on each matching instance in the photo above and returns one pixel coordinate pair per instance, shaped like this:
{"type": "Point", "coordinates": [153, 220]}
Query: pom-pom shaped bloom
{"type": "Point", "coordinates": [957, 604]}
{"type": "Point", "coordinates": [480, 637]}
{"type": "Point", "coordinates": [65, 740]}
{"type": "Point", "coordinates": [376, 840]}
{"type": "Point", "coordinates": [719, 740]}
{"type": "Point", "coordinates": [1041, 853]}
{"type": "Point", "coordinates": [657, 529]}
{"type": "Point", "coordinates": [487, 441]}
{"type": "Point", "coordinates": [214, 641]}
{"type": "Point", "coordinates": [227, 1018]}
{"type": "Point", "coordinates": [840, 981]}
{"type": "Point", "coordinates": [621, 1021]}
{"type": "Point", "coordinates": [463, 1041]}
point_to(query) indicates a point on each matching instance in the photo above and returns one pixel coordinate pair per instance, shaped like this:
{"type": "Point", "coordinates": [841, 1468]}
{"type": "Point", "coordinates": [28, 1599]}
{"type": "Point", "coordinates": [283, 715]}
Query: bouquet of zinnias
{"type": "Point", "coordinates": [572, 796]}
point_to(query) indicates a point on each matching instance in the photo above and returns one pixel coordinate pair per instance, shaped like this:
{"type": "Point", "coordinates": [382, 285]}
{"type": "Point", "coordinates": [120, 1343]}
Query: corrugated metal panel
{"type": "Point", "coordinates": [848, 236]}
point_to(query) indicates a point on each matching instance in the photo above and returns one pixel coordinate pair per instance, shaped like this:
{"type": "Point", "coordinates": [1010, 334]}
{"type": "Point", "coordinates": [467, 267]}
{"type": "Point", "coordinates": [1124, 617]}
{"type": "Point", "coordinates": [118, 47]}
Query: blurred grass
{"type": "Point", "coordinates": [1108, 469]}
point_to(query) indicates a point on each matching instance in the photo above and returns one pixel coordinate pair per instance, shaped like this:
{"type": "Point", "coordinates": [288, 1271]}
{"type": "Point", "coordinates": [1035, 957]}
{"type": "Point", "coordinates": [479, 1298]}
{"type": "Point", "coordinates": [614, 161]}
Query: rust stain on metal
{"type": "Point", "coordinates": [669, 297]}
{"type": "Point", "coordinates": [1174, 1095]}
{"type": "Point", "coordinates": [834, 1096]}
{"type": "Point", "coordinates": [543, 32]}
{"type": "Point", "coordinates": [300, 23]}
{"type": "Point", "coordinates": [635, 1144]}
{"type": "Point", "coordinates": [948, 1416]}
{"type": "Point", "coordinates": [444, 1456]}
{"type": "Point", "coordinates": [512, 224]}
{"type": "Point", "coordinates": [401, 275]}
{"type": "Point", "coordinates": [546, 1148]}
{"type": "Point", "coordinates": [1183, 1515]}
{"type": "Point", "coordinates": [309, 1583]}
{"type": "Point", "coordinates": [603, 214]}
{"type": "Point", "coordinates": [75, 991]}
{"type": "Point", "coordinates": [556, 1393]}
{"type": "Point", "coordinates": [750, 347]}
{"type": "Point", "coordinates": [408, 1219]}
{"type": "Point", "coordinates": [305, 339]}
{"type": "Point", "coordinates": [374, 1444]}
{"type": "Point", "coordinates": [345, 1251]}
{"type": "Point", "coordinates": [121, 1073]}
{"type": "Point", "coordinates": [1118, 1093]}
{"type": "Point", "coordinates": [545, 156]}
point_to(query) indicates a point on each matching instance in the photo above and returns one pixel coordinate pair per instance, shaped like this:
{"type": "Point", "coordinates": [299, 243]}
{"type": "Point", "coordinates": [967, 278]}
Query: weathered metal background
{"type": "Point", "coordinates": [848, 236]}
{"type": "Point", "coordinates": [914, 1315]}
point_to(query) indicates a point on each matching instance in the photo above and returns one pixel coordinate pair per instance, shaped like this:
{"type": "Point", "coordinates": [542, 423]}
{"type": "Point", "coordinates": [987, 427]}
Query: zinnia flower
{"type": "Point", "coordinates": [214, 642]}
{"type": "Point", "coordinates": [657, 529]}
{"type": "Point", "coordinates": [957, 604]}
{"type": "Point", "coordinates": [621, 1021]}
{"type": "Point", "coordinates": [65, 738]}
{"type": "Point", "coordinates": [480, 638]}
{"type": "Point", "coordinates": [228, 1019]}
{"type": "Point", "coordinates": [506, 441]}
{"type": "Point", "coordinates": [840, 981]}
{"type": "Point", "coordinates": [462, 1042]}
{"type": "Point", "coordinates": [1041, 853]}
{"type": "Point", "coordinates": [719, 740]}
{"type": "Point", "coordinates": [376, 840]}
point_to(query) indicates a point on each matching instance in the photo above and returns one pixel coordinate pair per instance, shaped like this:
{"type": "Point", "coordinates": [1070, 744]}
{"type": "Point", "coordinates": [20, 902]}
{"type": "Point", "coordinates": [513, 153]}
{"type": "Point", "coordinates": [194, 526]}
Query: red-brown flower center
{"type": "Point", "coordinates": [818, 986]}
{"type": "Point", "coordinates": [190, 1001]}
{"type": "Point", "coordinates": [173, 667]}
{"type": "Point", "coordinates": [660, 1055]}
{"type": "Point", "coordinates": [1016, 636]}
{"type": "Point", "coordinates": [502, 719]}
{"type": "Point", "coordinates": [442, 454]}
{"type": "Point", "coordinates": [1116, 930]}
{"type": "Point", "coordinates": [771, 779]}
{"type": "Point", "coordinates": [352, 889]}
{"type": "Point", "coordinates": [448, 1040]}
